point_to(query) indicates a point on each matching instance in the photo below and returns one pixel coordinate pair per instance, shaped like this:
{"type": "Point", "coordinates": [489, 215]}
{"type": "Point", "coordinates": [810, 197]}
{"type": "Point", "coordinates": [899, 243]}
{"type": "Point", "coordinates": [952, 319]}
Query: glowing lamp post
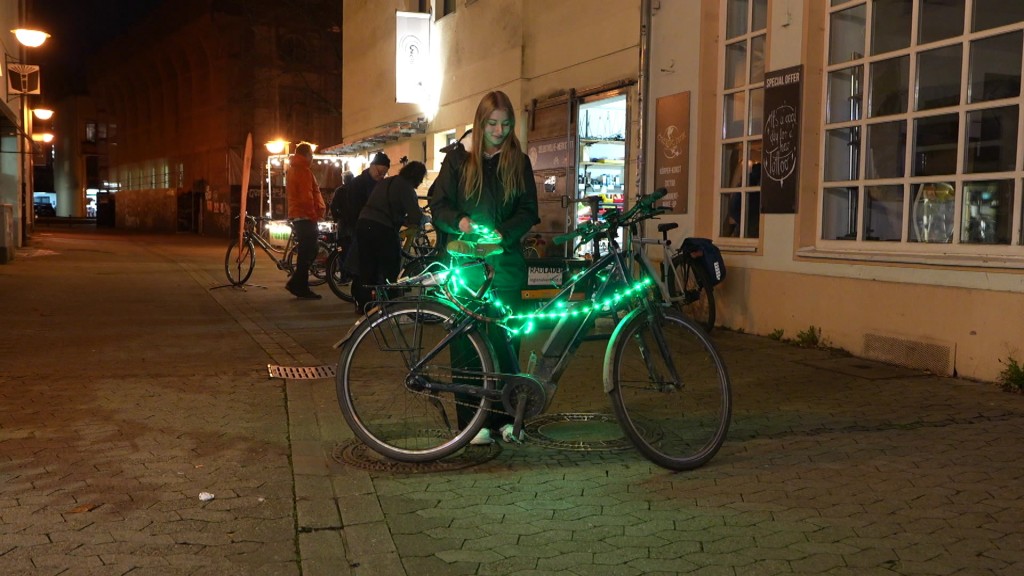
{"type": "Point", "coordinates": [32, 39]}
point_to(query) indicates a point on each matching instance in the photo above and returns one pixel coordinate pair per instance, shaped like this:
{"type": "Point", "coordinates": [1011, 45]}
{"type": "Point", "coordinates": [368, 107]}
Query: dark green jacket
{"type": "Point", "coordinates": [448, 204]}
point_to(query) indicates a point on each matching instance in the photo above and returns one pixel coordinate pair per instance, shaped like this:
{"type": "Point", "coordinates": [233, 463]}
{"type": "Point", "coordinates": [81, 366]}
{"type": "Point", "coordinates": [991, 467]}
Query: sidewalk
{"type": "Point", "coordinates": [132, 381]}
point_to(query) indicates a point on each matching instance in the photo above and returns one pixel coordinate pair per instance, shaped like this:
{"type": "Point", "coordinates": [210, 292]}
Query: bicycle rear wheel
{"type": "Point", "coordinates": [669, 388]}
{"type": "Point", "coordinates": [317, 270]}
{"type": "Point", "coordinates": [696, 297]}
{"type": "Point", "coordinates": [382, 397]}
{"type": "Point", "coordinates": [238, 265]}
{"type": "Point", "coordinates": [339, 280]}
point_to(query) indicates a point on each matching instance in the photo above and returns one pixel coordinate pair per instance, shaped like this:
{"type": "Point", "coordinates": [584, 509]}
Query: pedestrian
{"type": "Point", "coordinates": [350, 203]}
{"type": "Point", "coordinates": [392, 204]}
{"type": "Point", "coordinates": [305, 208]}
{"type": "Point", "coordinates": [490, 185]}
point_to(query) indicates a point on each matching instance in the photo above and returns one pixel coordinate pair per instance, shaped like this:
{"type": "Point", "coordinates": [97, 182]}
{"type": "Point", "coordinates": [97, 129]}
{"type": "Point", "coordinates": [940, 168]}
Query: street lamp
{"type": "Point", "coordinates": [32, 39]}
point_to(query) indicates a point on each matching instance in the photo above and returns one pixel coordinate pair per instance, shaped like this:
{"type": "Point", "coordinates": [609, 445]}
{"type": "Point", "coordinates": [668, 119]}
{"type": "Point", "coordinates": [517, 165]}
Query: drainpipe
{"type": "Point", "coordinates": [642, 94]}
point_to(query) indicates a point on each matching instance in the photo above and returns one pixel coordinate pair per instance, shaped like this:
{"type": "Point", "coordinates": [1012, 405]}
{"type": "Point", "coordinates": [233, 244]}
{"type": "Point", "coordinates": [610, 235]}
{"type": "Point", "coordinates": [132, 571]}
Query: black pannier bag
{"type": "Point", "coordinates": [704, 251]}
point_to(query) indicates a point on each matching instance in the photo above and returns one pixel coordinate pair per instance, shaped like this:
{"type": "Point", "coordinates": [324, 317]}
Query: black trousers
{"type": "Point", "coordinates": [306, 235]}
{"type": "Point", "coordinates": [507, 361]}
{"type": "Point", "coordinates": [380, 259]}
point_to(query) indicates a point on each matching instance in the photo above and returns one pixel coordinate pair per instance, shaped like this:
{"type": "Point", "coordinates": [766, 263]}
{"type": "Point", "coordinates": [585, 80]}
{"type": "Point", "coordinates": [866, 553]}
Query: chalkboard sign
{"type": "Point", "coordinates": [779, 173]}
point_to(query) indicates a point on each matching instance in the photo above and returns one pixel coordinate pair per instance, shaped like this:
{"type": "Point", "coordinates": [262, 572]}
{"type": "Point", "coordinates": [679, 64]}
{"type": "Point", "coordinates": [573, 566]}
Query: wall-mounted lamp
{"type": "Point", "coordinates": [29, 37]}
{"type": "Point", "coordinates": [277, 146]}
{"type": "Point", "coordinates": [42, 113]}
{"type": "Point", "coordinates": [45, 137]}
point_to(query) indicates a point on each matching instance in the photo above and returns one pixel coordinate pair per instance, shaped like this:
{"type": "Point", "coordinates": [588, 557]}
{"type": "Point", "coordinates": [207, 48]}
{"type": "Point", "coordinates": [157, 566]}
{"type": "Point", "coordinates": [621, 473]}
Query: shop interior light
{"type": "Point", "coordinates": [29, 37]}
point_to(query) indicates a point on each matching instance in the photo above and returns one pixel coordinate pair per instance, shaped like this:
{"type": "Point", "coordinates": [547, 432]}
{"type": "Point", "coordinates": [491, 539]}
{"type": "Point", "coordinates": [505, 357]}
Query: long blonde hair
{"type": "Point", "coordinates": [510, 160]}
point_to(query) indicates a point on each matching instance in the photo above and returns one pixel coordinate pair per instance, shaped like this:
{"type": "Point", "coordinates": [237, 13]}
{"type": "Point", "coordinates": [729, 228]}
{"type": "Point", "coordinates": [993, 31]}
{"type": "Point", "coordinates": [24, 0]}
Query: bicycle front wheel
{"type": "Point", "coordinates": [669, 388]}
{"type": "Point", "coordinates": [339, 280]}
{"type": "Point", "coordinates": [696, 299]}
{"type": "Point", "coordinates": [239, 264]}
{"type": "Point", "coordinates": [381, 384]}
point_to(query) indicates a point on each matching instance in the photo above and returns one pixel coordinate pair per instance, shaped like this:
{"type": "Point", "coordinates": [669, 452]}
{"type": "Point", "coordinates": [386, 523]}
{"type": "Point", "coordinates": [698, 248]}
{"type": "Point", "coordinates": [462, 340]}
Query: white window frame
{"type": "Point", "coordinates": [745, 88]}
{"type": "Point", "coordinates": [956, 252]}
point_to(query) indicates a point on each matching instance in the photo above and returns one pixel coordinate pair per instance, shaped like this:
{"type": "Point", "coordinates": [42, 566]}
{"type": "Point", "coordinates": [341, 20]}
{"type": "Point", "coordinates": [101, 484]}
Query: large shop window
{"type": "Point", "coordinates": [922, 147]}
{"type": "Point", "coordinates": [741, 113]}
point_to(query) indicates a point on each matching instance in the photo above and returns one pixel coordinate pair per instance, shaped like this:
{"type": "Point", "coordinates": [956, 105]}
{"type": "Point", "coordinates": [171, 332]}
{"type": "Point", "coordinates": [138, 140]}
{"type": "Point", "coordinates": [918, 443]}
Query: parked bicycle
{"type": "Point", "coordinates": [240, 260]}
{"type": "Point", "coordinates": [418, 249]}
{"type": "Point", "coordinates": [688, 283]}
{"type": "Point", "coordinates": [407, 365]}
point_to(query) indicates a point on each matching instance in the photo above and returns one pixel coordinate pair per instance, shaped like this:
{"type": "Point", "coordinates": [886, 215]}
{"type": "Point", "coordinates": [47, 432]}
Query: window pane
{"type": "Point", "coordinates": [995, 67]}
{"type": "Point", "coordinates": [987, 212]}
{"type": "Point", "coordinates": [753, 215]}
{"type": "Point", "coordinates": [940, 19]}
{"type": "Point", "coordinates": [994, 13]}
{"type": "Point", "coordinates": [842, 154]}
{"type": "Point", "coordinates": [839, 214]}
{"type": "Point", "coordinates": [735, 64]}
{"type": "Point", "coordinates": [991, 140]}
{"type": "Point", "coordinates": [754, 163]}
{"type": "Point", "coordinates": [756, 112]}
{"type": "Point", "coordinates": [846, 41]}
{"type": "Point", "coordinates": [935, 145]}
{"type": "Point", "coordinates": [731, 206]}
{"type": "Point", "coordinates": [886, 150]}
{"type": "Point", "coordinates": [736, 18]}
{"type": "Point", "coordinates": [890, 25]}
{"type": "Point", "coordinates": [883, 211]}
{"type": "Point", "coordinates": [760, 17]}
{"type": "Point", "coordinates": [938, 73]}
{"type": "Point", "coordinates": [932, 216]}
{"type": "Point", "coordinates": [844, 94]}
{"type": "Point", "coordinates": [735, 108]}
{"type": "Point", "coordinates": [757, 59]}
{"type": "Point", "coordinates": [732, 165]}
{"type": "Point", "coordinates": [890, 85]}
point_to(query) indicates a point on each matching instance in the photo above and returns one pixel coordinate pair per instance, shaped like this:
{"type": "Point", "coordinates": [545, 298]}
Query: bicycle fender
{"type": "Point", "coordinates": [609, 361]}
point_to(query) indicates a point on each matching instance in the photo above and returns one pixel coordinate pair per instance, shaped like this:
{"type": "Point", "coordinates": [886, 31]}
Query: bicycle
{"type": "Point", "coordinates": [407, 365]}
{"type": "Point", "coordinates": [240, 259]}
{"type": "Point", "coordinates": [418, 250]}
{"type": "Point", "coordinates": [688, 283]}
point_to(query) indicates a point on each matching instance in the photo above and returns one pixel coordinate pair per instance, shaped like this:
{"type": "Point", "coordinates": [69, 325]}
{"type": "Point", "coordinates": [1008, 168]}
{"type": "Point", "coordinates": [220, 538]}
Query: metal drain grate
{"type": "Point", "coordinates": [581, 432]}
{"type": "Point", "coordinates": [300, 372]}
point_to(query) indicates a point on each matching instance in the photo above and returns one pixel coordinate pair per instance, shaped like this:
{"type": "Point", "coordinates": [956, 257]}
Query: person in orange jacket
{"type": "Point", "coordinates": [305, 208]}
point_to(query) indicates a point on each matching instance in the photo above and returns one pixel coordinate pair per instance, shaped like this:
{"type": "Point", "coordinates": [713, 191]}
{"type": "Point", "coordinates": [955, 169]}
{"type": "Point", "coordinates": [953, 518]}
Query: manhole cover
{"type": "Point", "coordinates": [581, 432]}
{"type": "Point", "coordinates": [300, 372]}
{"type": "Point", "coordinates": [355, 453]}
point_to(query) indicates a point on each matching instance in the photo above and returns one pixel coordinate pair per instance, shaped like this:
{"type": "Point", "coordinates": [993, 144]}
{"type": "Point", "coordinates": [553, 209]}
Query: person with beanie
{"type": "Point", "coordinates": [392, 205]}
{"type": "Point", "coordinates": [305, 208]}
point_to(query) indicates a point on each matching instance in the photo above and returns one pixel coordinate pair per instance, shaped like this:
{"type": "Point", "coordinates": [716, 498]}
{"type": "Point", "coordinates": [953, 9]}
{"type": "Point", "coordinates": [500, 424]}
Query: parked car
{"type": "Point", "coordinates": [45, 209]}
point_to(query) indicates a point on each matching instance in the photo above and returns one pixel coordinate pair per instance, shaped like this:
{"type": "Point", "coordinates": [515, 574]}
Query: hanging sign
{"type": "Point", "coordinates": [22, 79]}
{"type": "Point", "coordinates": [781, 140]}
{"type": "Point", "coordinates": [412, 57]}
{"type": "Point", "coordinates": [672, 150]}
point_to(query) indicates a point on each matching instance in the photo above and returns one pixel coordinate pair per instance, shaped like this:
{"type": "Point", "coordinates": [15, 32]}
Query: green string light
{"type": "Point", "coordinates": [564, 310]}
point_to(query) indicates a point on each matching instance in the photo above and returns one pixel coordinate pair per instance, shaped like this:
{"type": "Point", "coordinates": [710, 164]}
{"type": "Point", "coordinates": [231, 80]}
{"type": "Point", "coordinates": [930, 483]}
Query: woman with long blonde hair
{"type": "Point", "coordinates": [489, 190]}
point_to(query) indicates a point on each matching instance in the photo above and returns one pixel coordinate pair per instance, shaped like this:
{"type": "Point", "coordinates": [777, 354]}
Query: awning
{"type": "Point", "coordinates": [385, 134]}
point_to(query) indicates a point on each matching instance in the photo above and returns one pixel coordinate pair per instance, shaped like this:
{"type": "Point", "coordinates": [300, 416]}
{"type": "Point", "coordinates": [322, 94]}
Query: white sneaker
{"type": "Point", "coordinates": [482, 438]}
{"type": "Point", "coordinates": [508, 436]}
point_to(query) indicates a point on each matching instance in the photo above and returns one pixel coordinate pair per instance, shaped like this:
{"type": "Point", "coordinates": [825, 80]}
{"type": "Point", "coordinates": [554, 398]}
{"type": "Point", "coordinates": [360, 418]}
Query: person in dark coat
{"type": "Point", "coordinates": [350, 203]}
{"type": "Point", "coordinates": [392, 205]}
{"type": "Point", "coordinates": [491, 186]}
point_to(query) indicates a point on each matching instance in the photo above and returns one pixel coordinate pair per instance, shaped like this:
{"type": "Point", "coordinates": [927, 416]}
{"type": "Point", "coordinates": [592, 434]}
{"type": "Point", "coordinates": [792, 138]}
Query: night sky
{"type": "Point", "coordinates": [77, 29]}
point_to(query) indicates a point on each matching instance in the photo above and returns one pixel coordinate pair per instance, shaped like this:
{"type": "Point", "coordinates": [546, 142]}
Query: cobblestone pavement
{"type": "Point", "coordinates": [131, 382]}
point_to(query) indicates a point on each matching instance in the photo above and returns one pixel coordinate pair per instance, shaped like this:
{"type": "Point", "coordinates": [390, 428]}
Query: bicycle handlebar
{"type": "Point", "coordinates": [642, 210]}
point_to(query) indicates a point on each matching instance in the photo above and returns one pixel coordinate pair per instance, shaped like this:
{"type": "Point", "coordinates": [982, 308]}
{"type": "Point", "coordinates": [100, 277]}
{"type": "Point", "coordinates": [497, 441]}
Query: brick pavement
{"type": "Point", "coordinates": [128, 386]}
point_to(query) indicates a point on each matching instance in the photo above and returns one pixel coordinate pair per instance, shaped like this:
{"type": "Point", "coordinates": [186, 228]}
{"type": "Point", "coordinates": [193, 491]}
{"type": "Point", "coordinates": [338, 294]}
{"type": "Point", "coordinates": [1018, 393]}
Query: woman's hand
{"type": "Point", "coordinates": [466, 225]}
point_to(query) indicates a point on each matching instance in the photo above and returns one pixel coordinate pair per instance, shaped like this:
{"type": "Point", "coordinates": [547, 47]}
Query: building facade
{"type": "Point", "coordinates": [859, 162]}
{"type": "Point", "coordinates": [176, 98]}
